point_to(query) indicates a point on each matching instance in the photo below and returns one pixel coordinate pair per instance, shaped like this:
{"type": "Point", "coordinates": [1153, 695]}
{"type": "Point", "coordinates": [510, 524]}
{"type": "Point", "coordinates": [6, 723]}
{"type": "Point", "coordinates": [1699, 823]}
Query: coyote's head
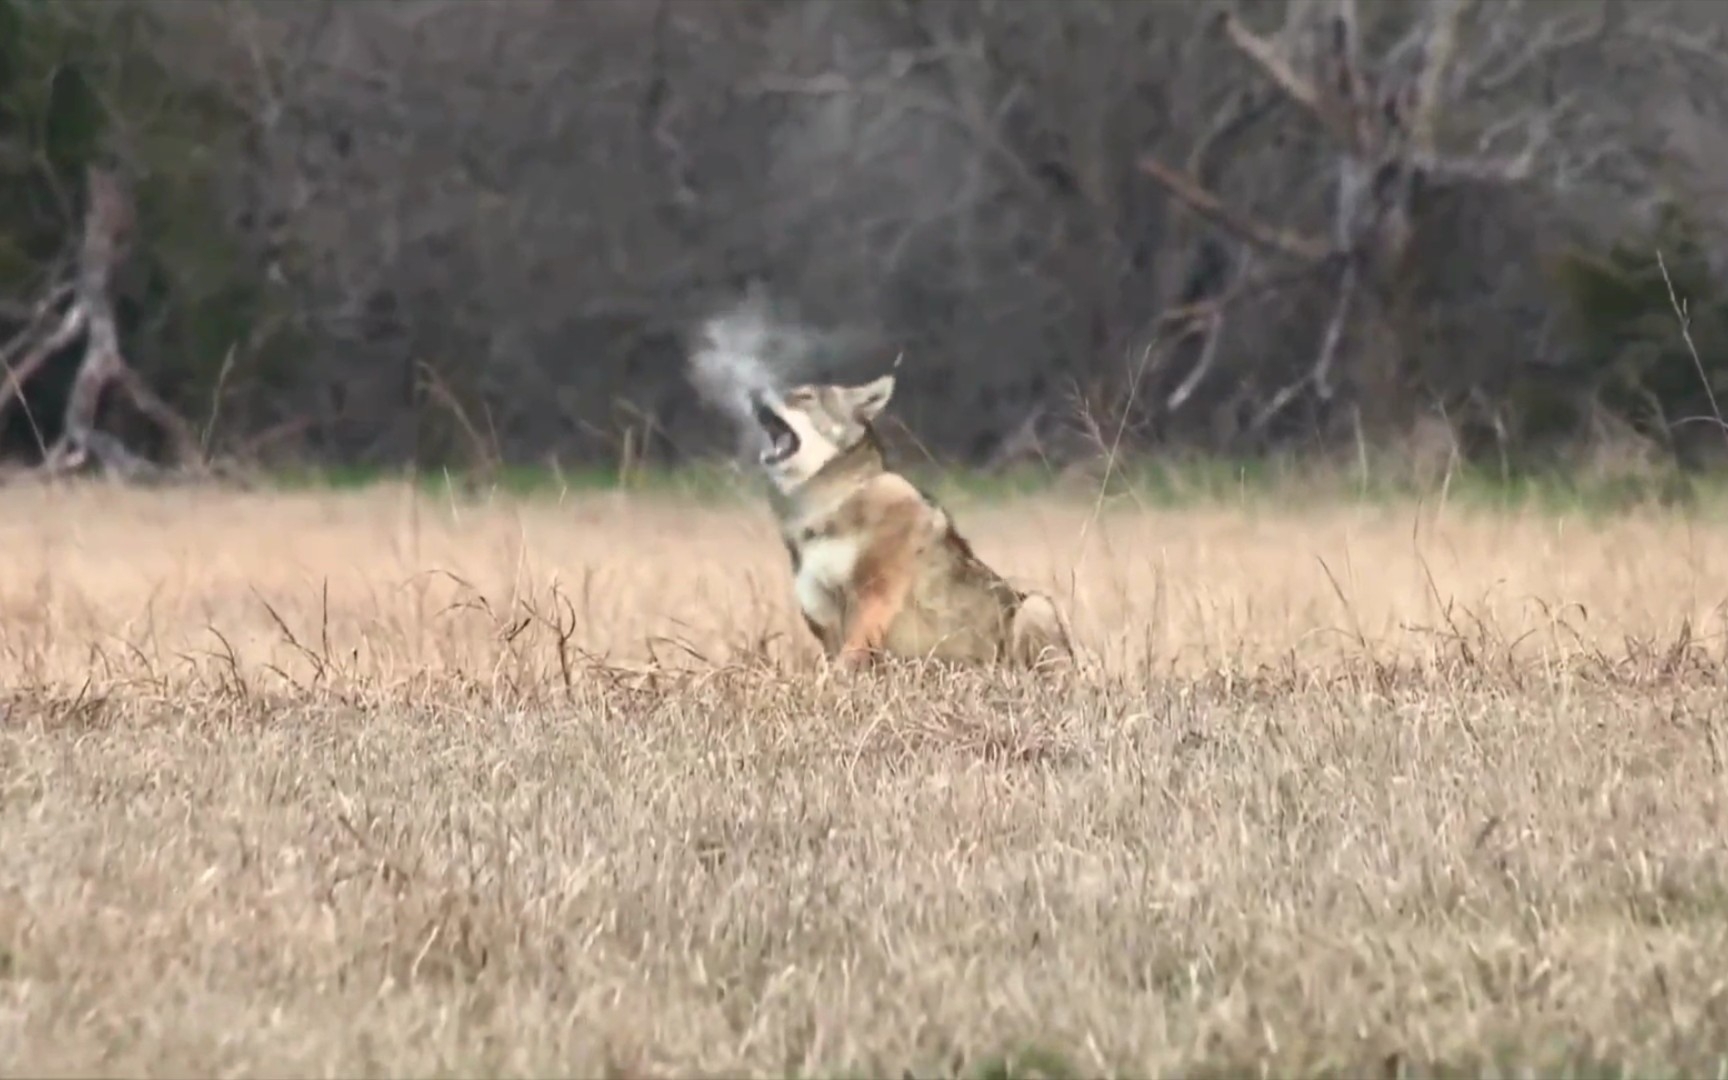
{"type": "Point", "coordinates": [814, 424]}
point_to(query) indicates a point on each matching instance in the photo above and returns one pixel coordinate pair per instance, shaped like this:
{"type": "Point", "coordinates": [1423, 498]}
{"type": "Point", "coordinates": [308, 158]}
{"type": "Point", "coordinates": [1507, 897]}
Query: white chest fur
{"type": "Point", "coordinates": [824, 573]}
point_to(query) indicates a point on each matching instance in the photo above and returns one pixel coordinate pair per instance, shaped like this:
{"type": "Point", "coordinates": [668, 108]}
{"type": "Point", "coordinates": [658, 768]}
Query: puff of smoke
{"type": "Point", "coordinates": [743, 351]}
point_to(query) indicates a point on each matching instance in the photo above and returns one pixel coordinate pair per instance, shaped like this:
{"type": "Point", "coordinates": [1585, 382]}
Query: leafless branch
{"type": "Point", "coordinates": [15, 312]}
{"type": "Point", "coordinates": [1208, 356]}
{"type": "Point", "coordinates": [1708, 52]}
{"type": "Point", "coordinates": [35, 320]}
{"type": "Point", "coordinates": [31, 338]}
{"type": "Point", "coordinates": [1209, 206]}
{"type": "Point", "coordinates": [1496, 71]}
{"type": "Point", "coordinates": [1319, 375]}
{"type": "Point", "coordinates": [1271, 61]}
{"type": "Point", "coordinates": [1682, 312]}
{"type": "Point", "coordinates": [1334, 333]}
{"type": "Point", "coordinates": [1210, 315]}
{"type": "Point", "coordinates": [1280, 401]}
{"type": "Point", "coordinates": [1482, 170]}
{"type": "Point", "coordinates": [1230, 122]}
{"type": "Point", "coordinates": [1439, 53]}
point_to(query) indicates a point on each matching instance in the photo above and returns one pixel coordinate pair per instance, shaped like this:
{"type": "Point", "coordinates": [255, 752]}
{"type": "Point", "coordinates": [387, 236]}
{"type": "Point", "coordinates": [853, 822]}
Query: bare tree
{"type": "Point", "coordinates": [87, 313]}
{"type": "Point", "coordinates": [1409, 133]}
{"type": "Point", "coordinates": [490, 226]}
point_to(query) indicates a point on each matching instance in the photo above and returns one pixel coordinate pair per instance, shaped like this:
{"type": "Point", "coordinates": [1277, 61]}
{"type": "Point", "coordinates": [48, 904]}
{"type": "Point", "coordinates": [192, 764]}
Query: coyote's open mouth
{"type": "Point", "coordinates": [782, 440]}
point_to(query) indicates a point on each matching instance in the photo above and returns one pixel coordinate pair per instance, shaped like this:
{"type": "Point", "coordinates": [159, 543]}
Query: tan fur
{"type": "Point", "coordinates": [878, 567]}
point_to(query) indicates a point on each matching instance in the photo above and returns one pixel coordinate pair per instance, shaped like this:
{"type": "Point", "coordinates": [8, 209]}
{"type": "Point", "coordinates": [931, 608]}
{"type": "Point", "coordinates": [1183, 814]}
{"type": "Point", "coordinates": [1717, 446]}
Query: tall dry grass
{"type": "Point", "coordinates": [359, 783]}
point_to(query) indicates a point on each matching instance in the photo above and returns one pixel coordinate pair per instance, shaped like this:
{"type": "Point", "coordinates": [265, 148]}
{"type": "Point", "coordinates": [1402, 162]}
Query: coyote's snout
{"type": "Point", "coordinates": [877, 565]}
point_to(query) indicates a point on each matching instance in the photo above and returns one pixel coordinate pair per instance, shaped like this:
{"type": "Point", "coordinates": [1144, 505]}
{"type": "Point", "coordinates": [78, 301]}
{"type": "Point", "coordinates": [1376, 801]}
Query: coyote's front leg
{"type": "Point", "coordinates": [881, 581]}
{"type": "Point", "coordinates": [868, 629]}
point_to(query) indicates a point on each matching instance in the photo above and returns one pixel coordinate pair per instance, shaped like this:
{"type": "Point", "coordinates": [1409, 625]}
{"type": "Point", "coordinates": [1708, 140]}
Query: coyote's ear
{"type": "Point", "coordinates": [869, 400]}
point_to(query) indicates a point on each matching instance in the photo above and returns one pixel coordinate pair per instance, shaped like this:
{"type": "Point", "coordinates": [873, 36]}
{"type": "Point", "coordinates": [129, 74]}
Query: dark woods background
{"type": "Point", "coordinates": [371, 233]}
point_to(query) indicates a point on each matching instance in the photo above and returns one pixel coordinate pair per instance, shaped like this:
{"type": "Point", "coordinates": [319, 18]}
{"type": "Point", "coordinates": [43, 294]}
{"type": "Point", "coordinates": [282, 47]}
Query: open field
{"type": "Point", "coordinates": [344, 783]}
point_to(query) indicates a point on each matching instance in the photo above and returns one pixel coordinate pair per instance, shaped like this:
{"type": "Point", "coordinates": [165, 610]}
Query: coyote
{"type": "Point", "coordinates": [878, 567]}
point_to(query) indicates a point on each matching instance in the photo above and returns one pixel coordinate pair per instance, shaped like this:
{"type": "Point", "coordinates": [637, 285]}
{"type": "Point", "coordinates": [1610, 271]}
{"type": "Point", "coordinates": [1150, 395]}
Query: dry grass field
{"type": "Point", "coordinates": [346, 784]}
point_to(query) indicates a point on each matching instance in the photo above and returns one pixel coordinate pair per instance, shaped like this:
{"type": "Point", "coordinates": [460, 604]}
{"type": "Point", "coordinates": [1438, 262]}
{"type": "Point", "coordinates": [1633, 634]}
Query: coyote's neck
{"type": "Point", "coordinates": [863, 458]}
{"type": "Point", "coordinates": [857, 463]}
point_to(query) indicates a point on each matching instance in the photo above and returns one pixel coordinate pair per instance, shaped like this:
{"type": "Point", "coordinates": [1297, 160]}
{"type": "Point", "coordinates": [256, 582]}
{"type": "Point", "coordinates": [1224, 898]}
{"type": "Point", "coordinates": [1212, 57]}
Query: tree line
{"type": "Point", "coordinates": [441, 231]}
